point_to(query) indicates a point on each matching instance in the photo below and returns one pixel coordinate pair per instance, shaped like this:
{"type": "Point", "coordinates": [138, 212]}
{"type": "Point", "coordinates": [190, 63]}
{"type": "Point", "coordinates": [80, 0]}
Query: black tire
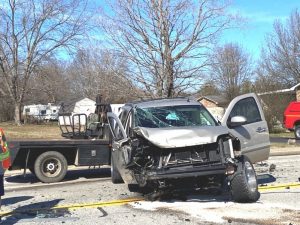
{"type": "Point", "coordinates": [243, 184]}
{"type": "Point", "coordinates": [115, 174]}
{"type": "Point", "coordinates": [297, 132]}
{"type": "Point", "coordinates": [50, 167]}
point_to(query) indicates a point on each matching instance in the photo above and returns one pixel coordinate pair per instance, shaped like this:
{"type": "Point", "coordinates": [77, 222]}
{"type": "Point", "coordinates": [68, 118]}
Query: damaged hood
{"type": "Point", "coordinates": [176, 137]}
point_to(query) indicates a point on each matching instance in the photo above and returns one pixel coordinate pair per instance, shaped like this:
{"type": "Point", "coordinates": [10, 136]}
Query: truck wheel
{"type": "Point", "coordinates": [50, 167]}
{"type": "Point", "coordinates": [243, 184]}
{"type": "Point", "coordinates": [297, 132]}
{"type": "Point", "coordinates": [115, 174]}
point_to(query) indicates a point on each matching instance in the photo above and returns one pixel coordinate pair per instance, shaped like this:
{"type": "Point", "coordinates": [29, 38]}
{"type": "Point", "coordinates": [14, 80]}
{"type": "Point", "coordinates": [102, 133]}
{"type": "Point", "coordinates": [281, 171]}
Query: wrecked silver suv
{"type": "Point", "coordinates": [176, 143]}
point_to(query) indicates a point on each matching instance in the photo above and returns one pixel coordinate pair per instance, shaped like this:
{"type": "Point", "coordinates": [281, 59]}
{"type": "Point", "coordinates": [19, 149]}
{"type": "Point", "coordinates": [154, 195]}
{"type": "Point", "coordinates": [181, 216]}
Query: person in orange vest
{"type": "Point", "coordinates": [5, 159]}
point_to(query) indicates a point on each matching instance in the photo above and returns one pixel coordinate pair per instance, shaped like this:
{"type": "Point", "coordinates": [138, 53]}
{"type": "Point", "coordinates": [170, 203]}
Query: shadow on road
{"type": "Point", "coordinates": [284, 140]}
{"type": "Point", "coordinates": [36, 211]}
{"type": "Point", "coordinates": [13, 200]}
{"type": "Point", "coordinates": [71, 175]}
{"type": "Point", "coordinates": [265, 178]}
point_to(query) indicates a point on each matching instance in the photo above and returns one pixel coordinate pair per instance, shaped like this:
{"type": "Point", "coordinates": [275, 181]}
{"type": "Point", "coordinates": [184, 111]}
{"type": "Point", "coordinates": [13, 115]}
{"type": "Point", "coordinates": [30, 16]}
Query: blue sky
{"type": "Point", "coordinates": [259, 18]}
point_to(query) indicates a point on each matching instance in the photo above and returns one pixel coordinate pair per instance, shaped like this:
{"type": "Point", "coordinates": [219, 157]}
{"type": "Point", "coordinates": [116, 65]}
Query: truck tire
{"type": "Point", "coordinates": [297, 132]}
{"type": "Point", "coordinates": [115, 174]}
{"type": "Point", "coordinates": [50, 167]}
{"type": "Point", "coordinates": [243, 184]}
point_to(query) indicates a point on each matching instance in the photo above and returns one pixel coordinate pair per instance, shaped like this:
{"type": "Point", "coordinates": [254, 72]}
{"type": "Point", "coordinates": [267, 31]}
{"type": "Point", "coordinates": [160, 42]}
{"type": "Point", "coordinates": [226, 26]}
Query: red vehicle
{"type": "Point", "coordinates": [291, 118]}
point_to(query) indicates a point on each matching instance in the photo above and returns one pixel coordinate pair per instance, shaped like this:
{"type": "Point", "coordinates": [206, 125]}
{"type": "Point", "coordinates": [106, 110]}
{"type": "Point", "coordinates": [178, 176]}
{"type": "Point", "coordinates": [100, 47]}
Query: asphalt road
{"type": "Point", "coordinates": [89, 197]}
{"type": "Point", "coordinates": [283, 140]}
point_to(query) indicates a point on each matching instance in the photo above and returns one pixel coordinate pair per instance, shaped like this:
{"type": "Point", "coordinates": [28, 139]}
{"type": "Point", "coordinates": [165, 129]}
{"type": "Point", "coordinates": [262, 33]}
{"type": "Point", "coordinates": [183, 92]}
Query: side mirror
{"type": "Point", "coordinates": [237, 121]}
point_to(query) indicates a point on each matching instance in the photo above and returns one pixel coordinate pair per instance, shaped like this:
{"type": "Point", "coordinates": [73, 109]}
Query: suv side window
{"type": "Point", "coordinates": [248, 108]}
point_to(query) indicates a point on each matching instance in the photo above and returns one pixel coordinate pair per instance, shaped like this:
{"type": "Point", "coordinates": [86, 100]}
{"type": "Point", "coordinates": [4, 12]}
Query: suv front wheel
{"type": "Point", "coordinates": [243, 184]}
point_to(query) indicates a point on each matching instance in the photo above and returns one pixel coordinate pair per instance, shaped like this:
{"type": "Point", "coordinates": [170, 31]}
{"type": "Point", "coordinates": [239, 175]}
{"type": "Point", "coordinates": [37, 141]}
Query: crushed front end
{"type": "Point", "coordinates": [153, 163]}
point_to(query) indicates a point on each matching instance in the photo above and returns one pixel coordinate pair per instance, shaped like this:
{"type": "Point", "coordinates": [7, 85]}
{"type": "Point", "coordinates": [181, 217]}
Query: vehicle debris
{"type": "Point", "coordinates": [104, 213]}
{"type": "Point", "coordinates": [272, 168]}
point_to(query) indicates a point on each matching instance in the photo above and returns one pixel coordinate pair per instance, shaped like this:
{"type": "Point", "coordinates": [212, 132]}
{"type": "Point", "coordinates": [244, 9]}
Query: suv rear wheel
{"type": "Point", "coordinates": [243, 183]}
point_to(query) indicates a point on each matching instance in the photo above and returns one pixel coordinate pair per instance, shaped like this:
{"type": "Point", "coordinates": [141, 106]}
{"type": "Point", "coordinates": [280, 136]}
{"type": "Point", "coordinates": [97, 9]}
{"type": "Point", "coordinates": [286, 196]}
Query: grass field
{"type": "Point", "coordinates": [52, 131]}
{"type": "Point", "coordinates": [31, 131]}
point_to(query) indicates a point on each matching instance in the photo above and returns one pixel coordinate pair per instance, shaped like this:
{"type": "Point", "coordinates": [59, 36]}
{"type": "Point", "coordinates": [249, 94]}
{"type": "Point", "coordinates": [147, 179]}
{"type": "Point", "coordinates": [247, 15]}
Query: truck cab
{"type": "Point", "coordinates": [292, 118]}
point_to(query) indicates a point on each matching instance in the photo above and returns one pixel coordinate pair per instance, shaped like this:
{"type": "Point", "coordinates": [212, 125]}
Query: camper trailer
{"type": "Point", "coordinates": [41, 112]}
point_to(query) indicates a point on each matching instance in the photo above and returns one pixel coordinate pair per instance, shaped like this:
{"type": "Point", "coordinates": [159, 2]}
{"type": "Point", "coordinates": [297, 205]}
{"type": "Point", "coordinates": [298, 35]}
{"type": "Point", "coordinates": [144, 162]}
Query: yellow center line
{"type": "Point", "coordinates": [129, 200]}
{"type": "Point", "coordinates": [98, 204]}
{"type": "Point", "coordinates": [279, 187]}
{"type": "Point", "coordinates": [74, 206]}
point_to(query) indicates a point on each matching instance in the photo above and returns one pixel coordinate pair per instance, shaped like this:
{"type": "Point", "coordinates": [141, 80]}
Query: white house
{"type": "Point", "coordinates": [84, 106]}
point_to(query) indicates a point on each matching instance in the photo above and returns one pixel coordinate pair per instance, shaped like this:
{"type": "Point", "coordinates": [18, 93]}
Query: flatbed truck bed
{"type": "Point", "coordinates": [49, 159]}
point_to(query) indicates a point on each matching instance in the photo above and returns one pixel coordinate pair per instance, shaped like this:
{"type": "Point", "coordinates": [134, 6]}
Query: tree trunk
{"type": "Point", "coordinates": [18, 113]}
{"type": "Point", "coordinates": [170, 79]}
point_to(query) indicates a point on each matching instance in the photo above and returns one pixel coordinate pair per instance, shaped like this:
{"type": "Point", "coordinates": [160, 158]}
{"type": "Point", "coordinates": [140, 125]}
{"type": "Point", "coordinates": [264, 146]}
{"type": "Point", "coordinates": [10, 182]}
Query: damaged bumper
{"type": "Point", "coordinates": [186, 172]}
{"type": "Point", "coordinates": [189, 162]}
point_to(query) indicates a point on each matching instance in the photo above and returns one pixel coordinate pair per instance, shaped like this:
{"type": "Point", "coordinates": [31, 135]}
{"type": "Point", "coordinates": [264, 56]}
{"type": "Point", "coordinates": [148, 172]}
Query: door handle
{"type": "Point", "coordinates": [261, 130]}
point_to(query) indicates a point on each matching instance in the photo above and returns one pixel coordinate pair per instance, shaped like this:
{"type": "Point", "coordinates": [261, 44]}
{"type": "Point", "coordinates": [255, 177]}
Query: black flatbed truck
{"type": "Point", "coordinates": [49, 159]}
{"type": "Point", "coordinates": [87, 144]}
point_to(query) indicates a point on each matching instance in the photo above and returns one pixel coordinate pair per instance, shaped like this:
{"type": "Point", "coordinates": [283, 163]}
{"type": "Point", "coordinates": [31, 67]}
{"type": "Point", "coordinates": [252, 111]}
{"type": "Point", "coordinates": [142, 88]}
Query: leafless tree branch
{"type": "Point", "coordinates": [166, 41]}
{"type": "Point", "coordinates": [30, 31]}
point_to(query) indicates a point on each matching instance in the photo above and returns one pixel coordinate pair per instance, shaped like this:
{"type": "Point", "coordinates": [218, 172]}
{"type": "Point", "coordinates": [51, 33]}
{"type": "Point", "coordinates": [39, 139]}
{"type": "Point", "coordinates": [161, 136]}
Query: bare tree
{"type": "Point", "coordinates": [209, 88]}
{"type": "Point", "coordinates": [274, 103]}
{"type": "Point", "coordinates": [95, 71]}
{"type": "Point", "coordinates": [281, 56]}
{"type": "Point", "coordinates": [265, 82]}
{"type": "Point", "coordinates": [166, 41]}
{"type": "Point", "coordinates": [50, 83]}
{"type": "Point", "coordinates": [230, 69]}
{"type": "Point", "coordinates": [29, 31]}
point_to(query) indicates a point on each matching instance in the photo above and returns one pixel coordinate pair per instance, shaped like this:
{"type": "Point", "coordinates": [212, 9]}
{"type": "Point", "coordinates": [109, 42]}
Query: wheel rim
{"type": "Point", "coordinates": [250, 176]}
{"type": "Point", "coordinates": [51, 167]}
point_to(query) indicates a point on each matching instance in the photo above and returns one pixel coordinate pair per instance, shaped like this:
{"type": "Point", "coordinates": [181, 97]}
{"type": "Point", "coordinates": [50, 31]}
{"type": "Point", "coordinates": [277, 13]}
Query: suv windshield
{"type": "Point", "coordinates": [177, 116]}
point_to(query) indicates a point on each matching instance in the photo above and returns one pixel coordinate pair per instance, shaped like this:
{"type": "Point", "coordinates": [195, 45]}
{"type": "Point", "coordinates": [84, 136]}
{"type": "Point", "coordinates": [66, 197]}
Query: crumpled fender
{"type": "Point", "coordinates": [176, 137]}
